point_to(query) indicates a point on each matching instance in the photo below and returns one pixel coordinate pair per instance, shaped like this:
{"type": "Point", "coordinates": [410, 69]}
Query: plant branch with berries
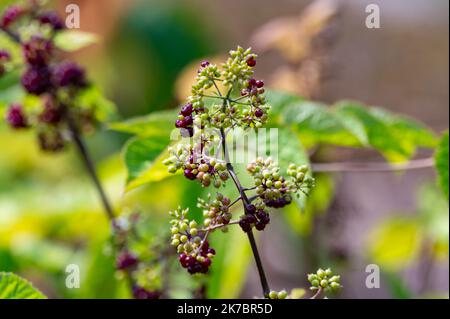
{"type": "Point", "coordinates": [64, 112]}
{"type": "Point", "coordinates": [205, 120]}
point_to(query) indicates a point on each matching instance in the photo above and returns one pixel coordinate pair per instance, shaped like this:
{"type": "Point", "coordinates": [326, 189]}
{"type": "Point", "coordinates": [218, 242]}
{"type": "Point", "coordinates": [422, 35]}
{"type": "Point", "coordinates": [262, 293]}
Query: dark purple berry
{"type": "Point", "coordinates": [36, 80]}
{"type": "Point", "coordinates": [69, 74]}
{"type": "Point", "coordinates": [141, 293]}
{"type": "Point", "coordinates": [251, 61]}
{"type": "Point", "coordinates": [50, 114]}
{"type": "Point", "coordinates": [189, 175]}
{"type": "Point", "coordinates": [259, 112]}
{"type": "Point", "coordinates": [259, 84]}
{"type": "Point", "coordinates": [211, 251]}
{"type": "Point", "coordinates": [51, 18]}
{"type": "Point", "coordinates": [260, 225]}
{"type": "Point", "coordinates": [126, 260]}
{"type": "Point", "coordinates": [188, 120]}
{"type": "Point", "coordinates": [16, 117]}
{"type": "Point", "coordinates": [37, 51]}
{"type": "Point", "coordinates": [10, 15]}
{"type": "Point", "coordinates": [180, 124]}
{"type": "Point", "coordinates": [4, 56]}
{"type": "Point", "coordinates": [251, 83]}
{"type": "Point", "coordinates": [204, 64]}
{"type": "Point", "coordinates": [250, 209]}
{"type": "Point", "coordinates": [187, 109]}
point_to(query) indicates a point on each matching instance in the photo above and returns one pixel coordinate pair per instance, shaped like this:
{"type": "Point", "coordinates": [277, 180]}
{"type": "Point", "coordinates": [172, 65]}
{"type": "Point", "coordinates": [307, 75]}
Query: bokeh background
{"type": "Point", "coordinates": [49, 213]}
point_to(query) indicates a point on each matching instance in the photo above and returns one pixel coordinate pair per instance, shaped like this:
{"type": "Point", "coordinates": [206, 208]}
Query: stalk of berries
{"type": "Point", "coordinates": [56, 82]}
{"type": "Point", "coordinates": [191, 244]}
{"type": "Point", "coordinates": [324, 281]}
{"type": "Point", "coordinates": [205, 119]}
{"type": "Point", "coordinates": [141, 269]}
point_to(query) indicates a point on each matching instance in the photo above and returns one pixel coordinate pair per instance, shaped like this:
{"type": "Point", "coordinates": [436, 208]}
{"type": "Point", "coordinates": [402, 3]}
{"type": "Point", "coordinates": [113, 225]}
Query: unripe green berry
{"type": "Point", "coordinates": [282, 294]}
{"type": "Point", "coordinates": [193, 224]}
{"type": "Point", "coordinates": [183, 238]}
{"type": "Point", "coordinates": [324, 283]}
{"type": "Point", "coordinates": [273, 295]}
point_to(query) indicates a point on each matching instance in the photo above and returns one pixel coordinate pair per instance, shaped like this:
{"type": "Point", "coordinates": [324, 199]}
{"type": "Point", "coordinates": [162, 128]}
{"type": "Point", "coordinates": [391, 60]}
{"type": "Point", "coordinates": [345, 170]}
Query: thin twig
{"type": "Point", "coordinates": [372, 167]}
{"type": "Point", "coordinates": [317, 294]}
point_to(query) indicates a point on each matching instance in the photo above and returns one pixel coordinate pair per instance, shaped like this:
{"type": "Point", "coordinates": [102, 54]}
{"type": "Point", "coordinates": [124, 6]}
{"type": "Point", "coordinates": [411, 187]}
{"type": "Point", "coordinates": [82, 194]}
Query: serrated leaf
{"type": "Point", "coordinates": [73, 40]}
{"type": "Point", "coordinates": [143, 159]}
{"type": "Point", "coordinates": [316, 124]}
{"type": "Point", "coordinates": [14, 287]}
{"type": "Point", "coordinates": [441, 160]}
{"type": "Point", "coordinates": [156, 124]}
{"type": "Point", "coordinates": [380, 135]}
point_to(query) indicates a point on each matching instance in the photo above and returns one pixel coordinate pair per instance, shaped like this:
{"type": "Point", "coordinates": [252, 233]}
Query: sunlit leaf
{"type": "Point", "coordinates": [395, 243]}
{"type": "Point", "coordinates": [143, 159]}
{"type": "Point", "coordinates": [73, 40]}
{"type": "Point", "coordinates": [442, 158]}
{"type": "Point", "coordinates": [155, 124]}
{"type": "Point", "coordinates": [14, 287]}
{"type": "Point", "coordinates": [229, 269]}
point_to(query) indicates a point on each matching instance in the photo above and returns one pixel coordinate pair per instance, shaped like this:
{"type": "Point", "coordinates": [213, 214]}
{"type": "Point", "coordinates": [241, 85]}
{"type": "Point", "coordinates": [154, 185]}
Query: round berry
{"type": "Point", "coordinates": [10, 15]}
{"type": "Point", "coordinates": [69, 74]}
{"type": "Point", "coordinates": [250, 209]}
{"type": "Point", "coordinates": [126, 260]}
{"type": "Point", "coordinates": [4, 56]}
{"type": "Point", "coordinates": [204, 64]}
{"type": "Point", "coordinates": [180, 124]}
{"type": "Point", "coordinates": [259, 84]}
{"type": "Point", "coordinates": [251, 83]}
{"type": "Point", "coordinates": [259, 112]}
{"type": "Point", "coordinates": [36, 80]}
{"type": "Point", "coordinates": [37, 51]}
{"type": "Point", "coordinates": [251, 62]}
{"type": "Point", "coordinates": [187, 109]}
{"type": "Point", "coordinates": [16, 117]}
{"type": "Point", "coordinates": [51, 18]}
{"type": "Point", "coordinates": [50, 114]}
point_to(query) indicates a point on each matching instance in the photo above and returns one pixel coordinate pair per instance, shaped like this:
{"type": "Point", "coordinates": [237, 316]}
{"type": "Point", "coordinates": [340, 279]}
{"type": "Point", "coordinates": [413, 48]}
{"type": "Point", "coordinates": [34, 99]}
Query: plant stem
{"type": "Point", "coordinates": [246, 201]}
{"type": "Point", "coordinates": [89, 164]}
{"type": "Point", "coordinates": [317, 294]}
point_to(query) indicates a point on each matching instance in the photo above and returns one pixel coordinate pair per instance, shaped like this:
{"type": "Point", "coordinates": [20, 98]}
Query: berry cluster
{"type": "Point", "coordinates": [206, 118]}
{"type": "Point", "coordinates": [56, 83]}
{"type": "Point", "coordinates": [216, 211]}
{"type": "Point", "coordinates": [273, 188]}
{"type": "Point", "coordinates": [196, 165]}
{"type": "Point", "coordinates": [324, 279]}
{"type": "Point", "coordinates": [254, 217]}
{"type": "Point", "coordinates": [192, 246]}
{"type": "Point", "coordinates": [138, 265]}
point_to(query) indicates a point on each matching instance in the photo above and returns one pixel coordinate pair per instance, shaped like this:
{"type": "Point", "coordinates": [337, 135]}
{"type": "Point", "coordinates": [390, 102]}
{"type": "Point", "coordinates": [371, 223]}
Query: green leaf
{"type": "Point", "coordinates": [316, 124]}
{"type": "Point", "coordinates": [156, 124]}
{"type": "Point", "coordinates": [380, 135]}
{"type": "Point", "coordinates": [229, 269]}
{"type": "Point", "coordinates": [143, 159]}
{"type": "Point", "coordinates": [14, 287]}
{"type": "Point", "coordinates": [441, 159]}
{"type": "Point", "coordinates": [73, 40]}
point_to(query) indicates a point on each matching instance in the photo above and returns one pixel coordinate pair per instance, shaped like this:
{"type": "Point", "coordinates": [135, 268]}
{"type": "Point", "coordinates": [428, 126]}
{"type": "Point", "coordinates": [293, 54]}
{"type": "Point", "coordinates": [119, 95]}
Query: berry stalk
{"type": "Point", "coordinates": [246, 202]}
